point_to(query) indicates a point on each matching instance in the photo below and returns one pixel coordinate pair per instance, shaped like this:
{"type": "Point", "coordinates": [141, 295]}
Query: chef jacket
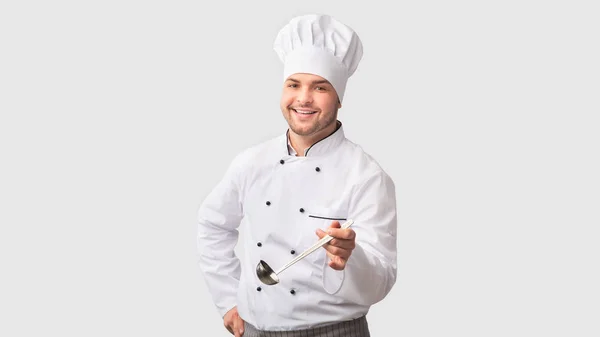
{"type": "Point", "coordinates": [281, 199]}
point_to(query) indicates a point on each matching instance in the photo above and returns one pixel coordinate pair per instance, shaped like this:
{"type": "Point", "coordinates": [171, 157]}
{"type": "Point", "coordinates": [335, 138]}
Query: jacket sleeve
{"type": "Point", "coordinates": [371, 270]}
{"type": "Point", "coordinates": [219, 217]}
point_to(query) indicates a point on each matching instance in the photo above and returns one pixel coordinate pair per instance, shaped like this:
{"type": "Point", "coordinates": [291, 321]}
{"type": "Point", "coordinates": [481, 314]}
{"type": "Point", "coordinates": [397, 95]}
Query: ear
{"type": "Point", "coordinates": [339, 104]}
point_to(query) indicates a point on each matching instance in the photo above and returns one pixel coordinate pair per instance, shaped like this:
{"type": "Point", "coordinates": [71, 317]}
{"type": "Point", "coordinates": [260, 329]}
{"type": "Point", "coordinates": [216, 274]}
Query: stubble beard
{"type": "Point", "coordinates": [315, 127]}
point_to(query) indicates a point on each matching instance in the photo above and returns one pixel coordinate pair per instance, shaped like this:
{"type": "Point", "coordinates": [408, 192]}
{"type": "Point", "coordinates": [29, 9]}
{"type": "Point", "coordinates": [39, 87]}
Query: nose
{"type": "Point", "coordinates": [304, 96]}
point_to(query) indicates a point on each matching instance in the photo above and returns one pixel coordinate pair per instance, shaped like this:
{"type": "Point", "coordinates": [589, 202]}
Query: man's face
{"type": "Point", "coordinates": [309, 103]}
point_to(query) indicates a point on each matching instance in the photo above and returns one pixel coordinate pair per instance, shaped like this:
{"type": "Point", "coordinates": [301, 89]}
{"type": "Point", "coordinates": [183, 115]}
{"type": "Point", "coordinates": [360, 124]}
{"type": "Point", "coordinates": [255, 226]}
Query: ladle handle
{"type": "Point", "coordinates": [314, 247]}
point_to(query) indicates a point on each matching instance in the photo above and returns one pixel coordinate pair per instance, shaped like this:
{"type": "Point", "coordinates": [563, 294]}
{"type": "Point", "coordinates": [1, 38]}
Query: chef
{"type": "Point", "coordinates": [290, 191]}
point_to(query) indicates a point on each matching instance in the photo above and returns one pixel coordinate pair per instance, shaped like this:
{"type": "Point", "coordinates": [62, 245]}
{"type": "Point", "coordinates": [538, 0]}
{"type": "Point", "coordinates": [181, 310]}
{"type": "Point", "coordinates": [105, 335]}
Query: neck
{"type": "Point", "coordinates": [301, 143]}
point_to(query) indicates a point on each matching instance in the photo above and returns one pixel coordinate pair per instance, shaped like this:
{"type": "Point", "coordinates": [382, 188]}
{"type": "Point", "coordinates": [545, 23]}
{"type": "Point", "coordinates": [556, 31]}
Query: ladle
{"type": "Point", "coordinates": [266, 274]}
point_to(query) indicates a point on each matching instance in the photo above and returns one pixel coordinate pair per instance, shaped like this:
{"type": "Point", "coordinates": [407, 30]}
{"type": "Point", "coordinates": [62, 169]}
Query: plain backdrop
{"type": "Point", "coordinates": [118, 117]}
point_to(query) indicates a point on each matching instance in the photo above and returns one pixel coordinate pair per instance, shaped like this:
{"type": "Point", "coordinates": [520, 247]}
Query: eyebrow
{"type": "Point", "coordinates": [313, 82]}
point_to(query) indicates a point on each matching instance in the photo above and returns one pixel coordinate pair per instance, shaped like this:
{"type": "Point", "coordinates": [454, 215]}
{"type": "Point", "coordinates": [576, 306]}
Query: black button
{"type": "Point", "coordinates": [258, 289]}
{"type": "Point", "coordinates": [317, 169]}
{"type": "Point", "coordinates": [268, 203]}
{"type": "Point", "coordinates": [292, 291]}
{"type": "Point", "coordinates": [259, 244]}
{"type": "Point", "coordinates": [293, 252]}
{"type": "Point", "coordinates": [281, 162]}
{"type": "Point", "coordinates": [301, 210]}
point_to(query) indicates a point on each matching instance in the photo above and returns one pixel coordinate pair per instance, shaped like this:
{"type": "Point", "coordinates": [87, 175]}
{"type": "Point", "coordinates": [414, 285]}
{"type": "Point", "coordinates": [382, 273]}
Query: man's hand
{"type": "Point", "coordinates": [340, 247]}
{"type": "Point", "coordinates": [234, 323]}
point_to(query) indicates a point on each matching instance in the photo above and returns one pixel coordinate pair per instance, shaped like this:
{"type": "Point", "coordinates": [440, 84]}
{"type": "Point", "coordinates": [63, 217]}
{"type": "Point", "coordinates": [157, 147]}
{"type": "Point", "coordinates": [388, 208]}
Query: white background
{"type": "Point", "coordinates": [118, 117]}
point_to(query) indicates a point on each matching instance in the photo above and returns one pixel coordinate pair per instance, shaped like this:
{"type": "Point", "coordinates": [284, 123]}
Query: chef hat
{"type": "Point", "coordinates": [319, 45]}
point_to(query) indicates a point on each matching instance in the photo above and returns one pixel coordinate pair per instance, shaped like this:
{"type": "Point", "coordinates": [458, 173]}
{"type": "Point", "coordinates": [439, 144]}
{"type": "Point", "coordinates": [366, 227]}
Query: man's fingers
{"type": "Point", "coordinates": [337, 256]}
{"type": "Point", "coordinates": [337, 251]}
{"type": "Point", "coordinates": [340, 247]}
{"type": "Point", "coordinates": [228, 327]}
{"type": "Point", "coordinates": [346, 244]}
{"type": "Point", "coordinates": [230, 322]}
{"type": "Point", "coordinates": [337, 246]}
{"type": "Point", "coordinates": [339, 233]}
{"type": "Point", "coordinates": [320, 233]}
{"type": "Point", "coordinates": [337, 263]}
{"type": "Point", "coordinates": [236, 329]}
{"type": "Point", "coordinates": [240, 326]}
{"type": "Point", "coordinates": [335, 224]}
{"type": "Point", "coordinates": [344, 234]}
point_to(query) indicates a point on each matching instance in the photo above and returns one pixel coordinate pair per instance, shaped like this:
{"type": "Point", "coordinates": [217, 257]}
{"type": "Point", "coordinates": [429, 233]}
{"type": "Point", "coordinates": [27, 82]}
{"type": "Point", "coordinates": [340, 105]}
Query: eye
{"type": "Point", "coordinates": [320, 88]}
{"type": "Point", "coordinates": [292, 85]}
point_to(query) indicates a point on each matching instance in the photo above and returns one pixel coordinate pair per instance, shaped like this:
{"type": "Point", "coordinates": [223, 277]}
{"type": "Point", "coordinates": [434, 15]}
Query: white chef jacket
{"type": "Point", "coordinates": [282, 199]}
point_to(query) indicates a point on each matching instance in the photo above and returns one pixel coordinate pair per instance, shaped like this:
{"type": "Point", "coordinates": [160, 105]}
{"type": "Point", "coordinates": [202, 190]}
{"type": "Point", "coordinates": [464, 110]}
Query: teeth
{"type": "Point", "coordinates": [304, 112]}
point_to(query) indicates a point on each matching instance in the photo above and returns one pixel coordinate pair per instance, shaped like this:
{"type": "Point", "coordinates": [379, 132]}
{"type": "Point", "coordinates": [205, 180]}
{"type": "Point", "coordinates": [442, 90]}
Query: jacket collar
{"type": "Point", "coordinates": [322, 146]}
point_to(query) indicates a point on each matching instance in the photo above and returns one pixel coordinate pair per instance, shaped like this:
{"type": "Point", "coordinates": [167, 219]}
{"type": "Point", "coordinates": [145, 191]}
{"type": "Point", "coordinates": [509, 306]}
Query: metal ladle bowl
{"type": "Point", "coordinates": [268, 276]}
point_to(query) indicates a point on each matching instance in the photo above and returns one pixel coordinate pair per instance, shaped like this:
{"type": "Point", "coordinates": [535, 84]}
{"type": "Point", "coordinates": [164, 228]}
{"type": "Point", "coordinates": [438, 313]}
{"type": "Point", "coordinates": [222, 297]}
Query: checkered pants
{"type": "Point", "coordinates": [354, 328]}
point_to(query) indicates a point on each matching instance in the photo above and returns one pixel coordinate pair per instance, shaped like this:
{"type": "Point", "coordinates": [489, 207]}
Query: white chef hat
{"type": "Point", "coordinates": [319, 45]}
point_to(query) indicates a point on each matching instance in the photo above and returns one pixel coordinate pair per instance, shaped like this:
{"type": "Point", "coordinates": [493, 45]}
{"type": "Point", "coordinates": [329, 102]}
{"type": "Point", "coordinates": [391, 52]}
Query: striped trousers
{"type": "Point", "coordinates": [354, 328]}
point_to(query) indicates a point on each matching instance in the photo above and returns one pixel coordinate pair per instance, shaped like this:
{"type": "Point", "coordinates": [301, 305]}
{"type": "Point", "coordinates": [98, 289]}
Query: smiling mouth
{"type": "Point", "coordinates": [304, 112]}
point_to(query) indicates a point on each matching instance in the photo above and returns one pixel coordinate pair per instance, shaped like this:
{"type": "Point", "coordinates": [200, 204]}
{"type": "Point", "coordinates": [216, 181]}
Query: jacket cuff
{"type": "Point", "coordinates": [224, 308]}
